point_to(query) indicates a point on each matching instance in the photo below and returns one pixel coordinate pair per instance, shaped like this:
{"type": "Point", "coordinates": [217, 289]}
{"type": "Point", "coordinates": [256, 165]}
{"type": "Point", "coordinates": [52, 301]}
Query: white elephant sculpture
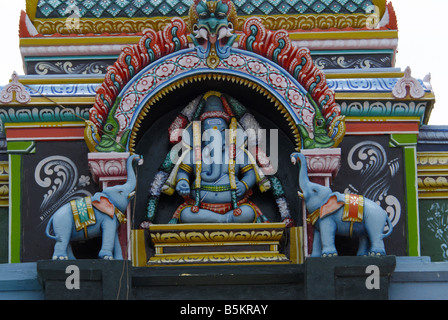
{"type": "Point", "coordinates": [334, 213]}
{"type": "Point", "coordinates": [91, 217]}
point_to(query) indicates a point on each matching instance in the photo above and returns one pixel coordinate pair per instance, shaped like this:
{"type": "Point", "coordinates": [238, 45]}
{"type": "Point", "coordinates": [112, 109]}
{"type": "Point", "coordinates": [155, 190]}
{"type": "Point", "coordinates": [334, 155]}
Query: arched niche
{"type": "Point", "coordinates": [150, 138]}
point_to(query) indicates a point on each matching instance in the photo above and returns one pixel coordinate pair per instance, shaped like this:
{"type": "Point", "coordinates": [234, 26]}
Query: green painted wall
{"type": "Point", "coordinates": [4, 235]}
{"type": "Point", "coordinates": [434, 228]}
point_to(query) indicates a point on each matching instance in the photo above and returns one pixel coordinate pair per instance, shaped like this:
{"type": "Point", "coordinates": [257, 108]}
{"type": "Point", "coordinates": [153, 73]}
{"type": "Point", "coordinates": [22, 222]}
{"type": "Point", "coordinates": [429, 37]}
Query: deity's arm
{"type": "Point", "coordinates": [246, 171]}
{"type": "Point", "coordinates": [183, 178]}
{"type": "Point", "coordinates": [184, 172]}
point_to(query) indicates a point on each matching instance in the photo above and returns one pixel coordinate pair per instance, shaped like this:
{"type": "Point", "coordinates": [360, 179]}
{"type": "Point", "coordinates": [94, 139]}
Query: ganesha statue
{"type": "Point", "coordinates": [214, 164]}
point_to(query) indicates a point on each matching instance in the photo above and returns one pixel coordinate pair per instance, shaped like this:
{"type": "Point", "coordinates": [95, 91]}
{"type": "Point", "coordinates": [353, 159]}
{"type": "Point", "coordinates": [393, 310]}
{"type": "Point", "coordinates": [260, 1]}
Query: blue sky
{"type": "Point", "coordinates": [422, 37]}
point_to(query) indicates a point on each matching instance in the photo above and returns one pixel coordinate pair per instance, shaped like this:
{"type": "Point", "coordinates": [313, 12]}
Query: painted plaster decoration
{"type": "Point", "coordinates": [329, 124]}
{"type": "Point", "coordinates": [427, 82]}
{"type": "Point", "coordinates": [108, 167]}
{"type": "Point", "coordinates": [14, 90]}
{"type": "Point", "coordinates": [60, 176]}
{"type": "Point", "coordinates": [408, 86]}
{"type": "Point", "coordinates": [304, 91]}
{"type": "Point", "coordinates": [152, 46]}
{"type": "Point", "coordinates": [377, 173]}
{"type": "Point", "coordinates": [216, 178]}
{"type": "Point", "coordinates": [211, 24]}
{"type": "Point", "coordinates": [114, 16]}
{"type": "Point", "coordinates": [348, 215]}
{"type": "Point", "coordinates": [95, 216]}
{"type": "Point", "coordinates": [437, 223]}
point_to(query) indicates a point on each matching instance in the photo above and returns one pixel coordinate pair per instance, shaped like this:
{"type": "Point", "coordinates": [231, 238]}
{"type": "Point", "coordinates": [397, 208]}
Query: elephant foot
{"type": "Point", "coordinates": [377, 254]}
{"type": "Point", "coordinates": [328, 255]}
{"type": "Point", "coordinates": [60, 257]}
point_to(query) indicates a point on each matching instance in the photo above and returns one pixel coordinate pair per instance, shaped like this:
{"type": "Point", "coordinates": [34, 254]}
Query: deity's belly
{"type": "Point", "coordinates": [216, 197]}
{"type": "Point", "coordinates": [218, 192]}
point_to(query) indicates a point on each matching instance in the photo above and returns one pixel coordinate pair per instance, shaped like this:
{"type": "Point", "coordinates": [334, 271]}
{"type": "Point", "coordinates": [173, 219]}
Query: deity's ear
{"type": "Point", "coordinates": [104, 205]}
{"type": "Point", "coordinates": [330, 206]}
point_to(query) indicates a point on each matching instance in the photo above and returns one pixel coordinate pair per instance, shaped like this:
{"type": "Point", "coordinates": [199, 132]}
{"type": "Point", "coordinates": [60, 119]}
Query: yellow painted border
{"type": "Point", "coordinates": [341, 35]}
{"type": "Point", "coordinates": [62, 124]}
{"type": "Point", "coordinates": [38, 80]}
{"type": "Point", "coordinates": [80, 40]}
{"type": "Point", "coordinates": [207, 226]}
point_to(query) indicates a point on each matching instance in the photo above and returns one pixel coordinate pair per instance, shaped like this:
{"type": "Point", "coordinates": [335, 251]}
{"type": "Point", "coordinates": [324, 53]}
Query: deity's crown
{"type": "Point", "coordinates": [216, 107]}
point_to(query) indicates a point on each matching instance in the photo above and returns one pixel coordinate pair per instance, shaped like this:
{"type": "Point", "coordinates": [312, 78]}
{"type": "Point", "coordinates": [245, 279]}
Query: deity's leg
{"type": "Point", "coordinates": [248, 215]}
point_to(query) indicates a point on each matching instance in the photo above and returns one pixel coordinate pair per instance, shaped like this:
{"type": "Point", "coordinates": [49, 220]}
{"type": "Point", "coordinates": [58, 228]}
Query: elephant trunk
{"type": "Point", "coordinates": [304, 181]}
{"type": "Point", "coordinates": [131, 182]}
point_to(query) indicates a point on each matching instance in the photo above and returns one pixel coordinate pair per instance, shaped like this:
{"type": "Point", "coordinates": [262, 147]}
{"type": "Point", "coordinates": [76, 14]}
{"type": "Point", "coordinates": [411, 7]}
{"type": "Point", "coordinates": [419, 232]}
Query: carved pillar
{"type": "Point", "coordinates": [109, 169]}
{"type": "Point", "coordinates": [323, 166]}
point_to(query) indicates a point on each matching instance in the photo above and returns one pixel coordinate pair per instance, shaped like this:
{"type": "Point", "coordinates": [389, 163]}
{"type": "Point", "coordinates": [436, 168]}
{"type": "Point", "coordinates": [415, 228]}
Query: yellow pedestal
{"type": "Point", "coordinates": [212, 244]}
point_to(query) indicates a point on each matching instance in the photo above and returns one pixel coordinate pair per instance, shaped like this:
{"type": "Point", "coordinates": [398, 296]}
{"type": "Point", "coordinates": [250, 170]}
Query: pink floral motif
{"type": "Point", "coordinates": [145, 83]}
{"type": "Point", "coordinates": [188, 61]}
{"type": "Point", "coordinates": [295, 97]}
{"type": "Point", "coordinates": [128, 102]}
{"type": "Point", "coordinates": [165, 70]}
{"type": "Point", "coordinates": [122, 121]}
{"type": "Point", "coordinates": [235, 61]}
{"type": "Point", "coordinates": [278, 81]}
{"type": "Point", "coordinates": [257, 67]}
{"type": "Point", "coordinates": [308, 117]}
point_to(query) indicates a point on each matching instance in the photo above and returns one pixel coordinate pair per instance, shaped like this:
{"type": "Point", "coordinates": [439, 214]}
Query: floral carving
{"type": "Point", "coordinates": [108, 166]}
{"type": "Point", "coordinates": [408, 86]}
{"type": "Point", "coordinates": [22, 96]}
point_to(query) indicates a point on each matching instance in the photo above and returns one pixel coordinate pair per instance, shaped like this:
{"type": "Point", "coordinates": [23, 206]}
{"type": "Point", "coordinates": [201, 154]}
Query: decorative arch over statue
{"type": "Point", "coordinates": [161, 63]}
{"type": "Point", "coordinates": [290, 76]}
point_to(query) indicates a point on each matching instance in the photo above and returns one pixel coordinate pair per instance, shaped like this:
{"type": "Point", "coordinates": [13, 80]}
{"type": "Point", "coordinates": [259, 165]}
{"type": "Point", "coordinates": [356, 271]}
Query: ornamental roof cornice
{"type": "Point", "coordinates": [48, 9]}
{"type": "Point", "coordinates": [118, 16]}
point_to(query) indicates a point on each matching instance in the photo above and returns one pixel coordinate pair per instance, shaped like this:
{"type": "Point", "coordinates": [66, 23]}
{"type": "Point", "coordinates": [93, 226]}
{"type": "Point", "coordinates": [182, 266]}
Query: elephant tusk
{"type": "Point", "coordinates": [300, 194]}
{"type": "Point", "coordinates": [132, 194]}
{"type": "Point", "coordinates": [222, 33]}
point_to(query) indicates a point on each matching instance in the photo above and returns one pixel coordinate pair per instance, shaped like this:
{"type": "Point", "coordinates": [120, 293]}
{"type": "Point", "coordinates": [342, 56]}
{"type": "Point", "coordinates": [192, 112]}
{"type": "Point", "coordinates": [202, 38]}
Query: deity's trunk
{"type": "Point", "coordinates": [213, 175]}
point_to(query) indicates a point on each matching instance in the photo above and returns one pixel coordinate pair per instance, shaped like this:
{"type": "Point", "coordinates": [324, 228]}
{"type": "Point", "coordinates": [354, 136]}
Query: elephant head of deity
{"type": "Point", "coordinates": [211, 24]}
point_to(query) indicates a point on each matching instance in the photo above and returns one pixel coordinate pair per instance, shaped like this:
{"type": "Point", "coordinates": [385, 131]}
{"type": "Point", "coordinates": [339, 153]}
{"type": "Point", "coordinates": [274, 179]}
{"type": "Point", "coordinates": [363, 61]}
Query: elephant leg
{"type": "Point", "coordinates": [62, 226]}
{"type": "Point", "coordinates": [317, 247]}
{"type": "Point", "coordinates": [328, 229]}
{"type": "Point", "coordinates": [118, 254]}
{"type": "Point", "coordinates": [375, 229]}
{"type": "Point", "coordinates": [363, 247]}
{"type": "Point", "coordinates": [60, 249]}
{"type": "Point", "coordinates": [70, 254]}
{"type": "Point", "coordinates": [109, 231]}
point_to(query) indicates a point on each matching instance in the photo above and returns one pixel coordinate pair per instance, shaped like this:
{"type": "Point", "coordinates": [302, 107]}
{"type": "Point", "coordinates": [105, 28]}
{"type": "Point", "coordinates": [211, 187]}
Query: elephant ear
{"type": "Point", "coordinates": [331, 206]}
{"type": "Point", "coordinates": [104, 205]}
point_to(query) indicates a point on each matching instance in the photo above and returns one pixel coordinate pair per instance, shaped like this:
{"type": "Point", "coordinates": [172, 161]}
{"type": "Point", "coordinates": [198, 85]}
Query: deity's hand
{"type": "Point", "coordinates": [240, 188]}
{"type": "Point", "coordinates": [183, 188]}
